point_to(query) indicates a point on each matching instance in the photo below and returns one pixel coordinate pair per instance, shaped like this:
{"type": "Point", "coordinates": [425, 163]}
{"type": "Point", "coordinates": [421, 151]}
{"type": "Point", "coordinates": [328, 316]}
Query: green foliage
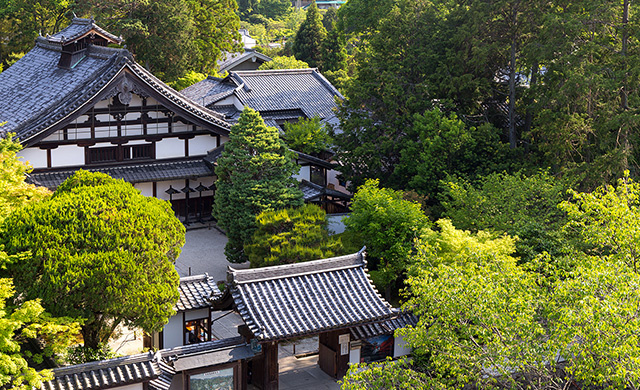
{"type": "Point", "coordinates": [333, 52]}
{"type": "Point", "coordinates": [523, 206]}
{"type": "Point", "coordinates": [283, 62]}
{"type": "Point", "coordinates": [291, 235]}
{"type": "Point", "coordinates": [362, 16]}
{"type": "Point", "coordinates": [254, 175]}
{"type": "Point", "coordinates": [188, 79]}
{"type": "Point", "coordinates": [99, 250]}
{"type": "Point", "coordinates": [398, 374]}
{"type": "Point", "coordinates": [28, 320]}
{"type": "Point", "coordinates": [79, 354]}
{"type": "Point", "coordinates": [418, 155]}
{"type": "Point", "coordinates": [171, 37]}
{"type": "Point", "coordinates": [479, 312]}
{"type": "Point", "coordinates": [387, 225]}
{"type": "Point", "coordinates": [274, 9]}
{"type": "Point", "coordinates": [307, 136]}
{"type": "Point", "coordinates": [14, 192]}
{"type": "Point", "coordinates": [607, 219]}
{"type": "Point", "coordinates": [308, 40]}
{"type": "Point", "coordinates": [329, 19]}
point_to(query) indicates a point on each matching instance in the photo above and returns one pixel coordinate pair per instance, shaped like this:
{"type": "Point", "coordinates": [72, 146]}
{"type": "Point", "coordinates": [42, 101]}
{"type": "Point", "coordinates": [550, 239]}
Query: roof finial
{"type": "Point", "coordinates": [74, 15]}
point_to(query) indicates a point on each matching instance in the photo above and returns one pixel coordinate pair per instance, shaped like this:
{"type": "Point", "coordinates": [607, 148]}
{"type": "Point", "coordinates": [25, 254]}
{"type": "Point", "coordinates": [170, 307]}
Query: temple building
{"type": "Point", "coordinates": [78, 100]}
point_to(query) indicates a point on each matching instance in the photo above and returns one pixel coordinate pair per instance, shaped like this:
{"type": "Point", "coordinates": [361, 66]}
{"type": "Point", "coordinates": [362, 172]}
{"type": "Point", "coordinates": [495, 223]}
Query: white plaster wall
{"type": "Point", "coordinates": [354, 356]}
{"type": "Point", "coordinates": [196, 314]}
{"type": "Point", "coordinates": [180, 127]}
{"type": "Point", "coordinates": [201, 144]}
{"type": "Point", "coordinates": [400, 347]}
{"type": "Point", "coordinates": [169, 148]}
{"type": "Point", "coordinates": [34, 156]}
{"type": "Point", "coordinates": [173, 332]}
{"type": "Point", "coordinates": [67, 155]}
{"type": "Point", "coordinates": [131, 130]}
{"type": "Point", "coordinates": [223, 139]}
{"type": "Point", "coordinates": [103, 103]}
{"type": "Point", "coordinates": [162, 186]}
{"type": "Point", "coordinates": [55, 136]}
{"type": "Point", "coordinates": [136, 101]}
{"type": "Point", "coordinates": [336, 225]}
{"type": "Point", "coordinates": [145, 188]}
{"type": "Point", "coordinates": [304, 173]}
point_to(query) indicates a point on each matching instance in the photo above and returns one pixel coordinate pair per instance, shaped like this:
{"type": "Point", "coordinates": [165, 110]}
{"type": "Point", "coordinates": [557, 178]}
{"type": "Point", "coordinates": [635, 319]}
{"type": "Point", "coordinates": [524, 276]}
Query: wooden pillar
{"type": "Point", "coordinates": [270, 366]}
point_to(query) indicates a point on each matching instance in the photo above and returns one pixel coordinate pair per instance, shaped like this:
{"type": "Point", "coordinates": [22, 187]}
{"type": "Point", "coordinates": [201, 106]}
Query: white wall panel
{"type": "Point", "coordinates": [304, 173]}
{"type": "Point", "coordinates": [36, 157]}
{"type": "Point", "coordinates": [170, 148]}
{"type": "Point", "coordinates": [201, 144]}
{"type": "Point", "coordinates": [67, 155]}
{"type": "Point", "coordinates": [145, 188]}
{"type": "Point", "coordinates": [173, 332]}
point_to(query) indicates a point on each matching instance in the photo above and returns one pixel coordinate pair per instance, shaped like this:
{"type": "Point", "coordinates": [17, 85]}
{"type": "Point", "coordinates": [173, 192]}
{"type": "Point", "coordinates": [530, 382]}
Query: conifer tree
{"type": "Point", "coordinates": [308, 41]}
{"type": "Point", "coordinates": [254, 175]}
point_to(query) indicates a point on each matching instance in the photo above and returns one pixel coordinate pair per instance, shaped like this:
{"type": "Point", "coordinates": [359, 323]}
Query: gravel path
{"type": "Point", "coordinates": [204, 252]}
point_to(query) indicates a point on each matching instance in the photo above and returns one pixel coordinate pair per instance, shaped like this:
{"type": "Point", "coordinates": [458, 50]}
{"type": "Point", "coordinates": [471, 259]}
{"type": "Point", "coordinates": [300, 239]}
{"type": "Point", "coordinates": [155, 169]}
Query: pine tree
{"type": "Point", "coordinates": [308, 41]}
{"type": "Point", "coordinates": [254, 175]}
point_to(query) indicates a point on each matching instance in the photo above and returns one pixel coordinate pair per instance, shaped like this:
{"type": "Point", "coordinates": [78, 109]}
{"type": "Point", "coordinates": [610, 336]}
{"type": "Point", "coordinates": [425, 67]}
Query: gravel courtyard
{"type": "Point", "coordinates": [204, 252]}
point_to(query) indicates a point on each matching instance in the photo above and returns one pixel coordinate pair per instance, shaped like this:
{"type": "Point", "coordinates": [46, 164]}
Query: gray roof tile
{"type": "Point", "coordinates": [196, 292]}
{"type": "Point", "coordinates": [307, 298]}
{"type": "Point", "coordinates": [312, 191]}
{"type": "Point", "coordinates": [304, 90]}
{"type": "Point", "coordinates": [35, 94]}
{"type": "Point", "coordinates": [402, 320]}
{"type": "Point", "coordinates": [105, 374]}
{"type": "Point", "coordinates": [135, 173]}
{"type": "Point", "coordinates": [77, 29]}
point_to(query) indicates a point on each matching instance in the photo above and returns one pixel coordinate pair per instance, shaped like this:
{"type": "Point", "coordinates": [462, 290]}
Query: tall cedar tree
{"type": "Point", "coordinates": [99, 250]}
{"type": "Point", "coordinates": [254, 175]}
{"type": "Point", "coordinates": [308, 41]}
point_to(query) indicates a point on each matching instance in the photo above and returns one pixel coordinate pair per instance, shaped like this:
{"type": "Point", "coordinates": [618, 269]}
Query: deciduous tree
{"type": "Point", "coordinates": [254, 175]}
{"type": "Point", "coordinates": [386, 224]}
{"type": "Point", "coordinates": [99, 250]}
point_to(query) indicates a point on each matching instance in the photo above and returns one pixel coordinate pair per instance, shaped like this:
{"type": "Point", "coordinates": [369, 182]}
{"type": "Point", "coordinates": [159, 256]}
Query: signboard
{"type": "Point", "coordinates": [344, 349]}
{"type": "Point", "coordinates": [344, 338]}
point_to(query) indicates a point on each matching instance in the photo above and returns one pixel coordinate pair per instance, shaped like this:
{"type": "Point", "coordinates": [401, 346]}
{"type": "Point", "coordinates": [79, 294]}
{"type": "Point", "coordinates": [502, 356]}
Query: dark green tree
{"type": "Point", "coordinates": [254, 175]}
{"type": "Point", "coordinates": [329, 19]}
{"type": "Point", "coordinates": [292, 235]}
{"type": "Point", "coordinates": [523, 206]}
{"type": "Point", "coordinates": [274, 9]}
{"type": "Point", "coordinates": [387, 225]}
{"type": "Point", "coordinates": [99, 250]}
{"type": "Point", "coordinates": [333, 52]}
{"type": "Point", "coordinates": [308, 40]}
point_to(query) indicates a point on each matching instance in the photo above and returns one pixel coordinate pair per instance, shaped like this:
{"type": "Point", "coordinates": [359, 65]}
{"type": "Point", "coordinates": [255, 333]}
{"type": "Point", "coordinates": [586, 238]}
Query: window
{"type": "Point", "coordinates": [196, 331]}
{"type": "Point", "coordinates": [120, 153]}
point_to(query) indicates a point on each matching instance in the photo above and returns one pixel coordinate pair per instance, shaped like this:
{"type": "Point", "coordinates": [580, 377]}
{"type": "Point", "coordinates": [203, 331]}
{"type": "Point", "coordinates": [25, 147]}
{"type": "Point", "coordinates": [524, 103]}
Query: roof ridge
{"type": "Point", "coordinates": [275, 71]}
{"type": "Point", "coordinates": [113, 362]}
{"type": "Point", "coordinates": [192, 278]}
{"type": "Point", "coordinates": [297, 269]}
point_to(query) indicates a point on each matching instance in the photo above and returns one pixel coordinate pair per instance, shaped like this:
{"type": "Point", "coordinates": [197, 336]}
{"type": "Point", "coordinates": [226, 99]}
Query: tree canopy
{"type": "Point", "coordinates": [254, 175]}
{"type": "Point", "coordinates": [23, 319]}
{"type": "Point", "coordinates": [99, 250]}
{"type": "Point", "coordinates": [291, 235]}
{"type": "Point", "coordinates": [308, 41]}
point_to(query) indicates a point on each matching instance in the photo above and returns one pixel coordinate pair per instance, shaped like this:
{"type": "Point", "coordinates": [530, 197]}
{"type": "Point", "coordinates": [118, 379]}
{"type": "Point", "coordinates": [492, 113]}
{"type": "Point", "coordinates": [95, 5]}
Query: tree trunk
{"type": "Point", "coordinates": [512, 85]}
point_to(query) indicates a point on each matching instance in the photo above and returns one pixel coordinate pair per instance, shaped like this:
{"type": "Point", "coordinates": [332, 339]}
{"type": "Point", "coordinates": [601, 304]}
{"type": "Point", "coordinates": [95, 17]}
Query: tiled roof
{"type": "Point", "coordinates": [196, 292]}
{"type": "Point", "coordinates": [385, 327]}
{"type": "Point", "coordinates": [135, 173]}
{"type": "Point", "coordinates": [231, 60]}
{"type": "Point", "coordinates": [78, 28]}
{"type": "Point", "coordinates": [307, 298]}
{"type": "Point", "coordinates": [36, 95]}
{"type": "Point", "coordinates": [105, 374]}
{"type": "Point", "coordinates": [157, 369]}
{"type": "Point", "coordinates": [312, 191]}
{"type": "Point", "coordinates": [271, 90]}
